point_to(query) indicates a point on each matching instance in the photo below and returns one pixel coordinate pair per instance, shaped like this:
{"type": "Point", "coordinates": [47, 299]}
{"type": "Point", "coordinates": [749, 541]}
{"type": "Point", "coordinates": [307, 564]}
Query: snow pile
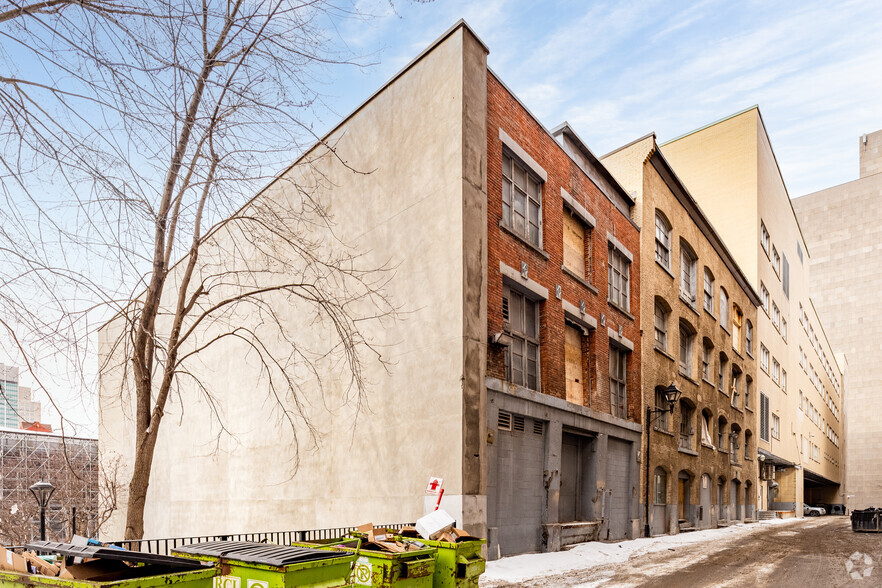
{"type": "Point", "coordinates": [588, 555]}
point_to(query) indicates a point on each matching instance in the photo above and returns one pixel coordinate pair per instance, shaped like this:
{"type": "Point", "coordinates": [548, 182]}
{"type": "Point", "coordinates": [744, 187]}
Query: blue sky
{"type": "Point", "coordinates": [618, 70]}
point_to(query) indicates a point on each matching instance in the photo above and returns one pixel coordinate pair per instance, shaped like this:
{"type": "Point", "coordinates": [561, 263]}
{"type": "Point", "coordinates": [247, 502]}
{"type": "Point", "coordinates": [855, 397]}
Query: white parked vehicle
{"type": "Point", "coordinates": [813, 511]}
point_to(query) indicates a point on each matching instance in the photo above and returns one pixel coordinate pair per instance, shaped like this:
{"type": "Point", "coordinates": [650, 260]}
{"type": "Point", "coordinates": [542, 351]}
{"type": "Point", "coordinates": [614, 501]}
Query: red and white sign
{"type": "Point", "coordinates": [434, 486]}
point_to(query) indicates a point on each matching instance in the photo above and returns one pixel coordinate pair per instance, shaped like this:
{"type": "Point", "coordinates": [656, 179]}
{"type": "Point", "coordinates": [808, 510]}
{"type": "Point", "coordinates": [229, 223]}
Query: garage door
{"type": "Point", "coordinates": [515, 485]}
{"type": "Point", "coordinates": [618, 485]}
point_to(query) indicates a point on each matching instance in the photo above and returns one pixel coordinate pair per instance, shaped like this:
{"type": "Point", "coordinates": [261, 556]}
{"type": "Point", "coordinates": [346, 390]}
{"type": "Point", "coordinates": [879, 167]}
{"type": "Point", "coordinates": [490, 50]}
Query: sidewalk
{"type": "Point", "coordinates": [585, 556]}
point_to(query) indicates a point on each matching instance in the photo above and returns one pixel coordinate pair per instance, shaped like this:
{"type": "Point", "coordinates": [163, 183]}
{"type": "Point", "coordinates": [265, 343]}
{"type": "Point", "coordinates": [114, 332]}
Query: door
{"type": "Point", "coordinates": [618, 483]}
{"type": "Point", "coordinates": [681, 498]}
{"type": "Point", "coordinates": [516, 484]}
{"type": "Point", "coordinates": [570, 468]}
{"type": "Point", "coordinates": [704, 512]}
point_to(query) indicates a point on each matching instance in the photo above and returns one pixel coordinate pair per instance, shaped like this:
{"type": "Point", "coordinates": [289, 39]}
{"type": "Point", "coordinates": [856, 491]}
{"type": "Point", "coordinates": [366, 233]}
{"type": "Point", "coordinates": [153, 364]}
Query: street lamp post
{"type": "Point", "coordinates": [42, 491]}
{"type": "Point", "coordinates": [672, 395]}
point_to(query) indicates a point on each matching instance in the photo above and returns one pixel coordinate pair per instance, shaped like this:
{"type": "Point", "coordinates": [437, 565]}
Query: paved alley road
{"type": "Point", "coordinates": [811, 552]}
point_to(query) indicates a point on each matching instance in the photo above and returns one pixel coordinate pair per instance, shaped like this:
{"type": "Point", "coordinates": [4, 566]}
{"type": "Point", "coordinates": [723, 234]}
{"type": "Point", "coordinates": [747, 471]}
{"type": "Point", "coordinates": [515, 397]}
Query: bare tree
{"type": "Point", "coordinates": [174, 113]}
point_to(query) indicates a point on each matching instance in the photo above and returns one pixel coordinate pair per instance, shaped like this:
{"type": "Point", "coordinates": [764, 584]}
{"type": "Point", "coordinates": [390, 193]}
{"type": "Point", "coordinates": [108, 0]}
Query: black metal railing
{"type": "Point", "coordinates": [165, 546]}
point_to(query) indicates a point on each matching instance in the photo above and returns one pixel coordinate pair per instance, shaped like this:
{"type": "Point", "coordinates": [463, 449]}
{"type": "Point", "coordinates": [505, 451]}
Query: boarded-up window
{"type": "Point", "coordinates": [573, 355]}
{"type": "Point", "coordinates": [574, 244]}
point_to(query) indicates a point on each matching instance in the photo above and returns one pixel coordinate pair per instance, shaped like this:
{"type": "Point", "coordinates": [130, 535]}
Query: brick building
{"type": "Point", "coordinates": [563, 284]}
{"type": "Point", "coordinates": [514, 375]}
{"type": "Point", "coordinates": [699, 334]}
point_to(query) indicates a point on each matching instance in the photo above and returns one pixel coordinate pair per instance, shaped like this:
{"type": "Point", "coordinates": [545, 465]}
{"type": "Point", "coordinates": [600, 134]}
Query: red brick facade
{"type": "Point", "coordinates": [506, 113]}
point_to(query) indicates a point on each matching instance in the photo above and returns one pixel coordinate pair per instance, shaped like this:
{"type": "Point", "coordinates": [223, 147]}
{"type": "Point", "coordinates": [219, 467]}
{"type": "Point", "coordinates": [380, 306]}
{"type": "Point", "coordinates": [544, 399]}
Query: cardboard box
{"type": "Point", "coordinates": [13, 562]}
{"type": "Point", "coordinates": [434, 524]}
{"type": "Point", "coordinates": [94, 569]}
{"type": "Point", "coordinates": [40, 565]}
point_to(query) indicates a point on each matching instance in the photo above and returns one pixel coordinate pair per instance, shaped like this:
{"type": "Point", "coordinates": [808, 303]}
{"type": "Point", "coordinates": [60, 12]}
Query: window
{"type": "Point", "coordinates": [661, 403]}
{"type": "Point", "coordinates": [687, 430]}
{"type": "Point", "coordinates": [748, 437]}
{"type": "Point", "coordinates": [748, 337]}
{"type": "Point", "coordinates": [662, 240]}
{"type": "Point", "coordinates": [688, 272]}
{"type": "Point", "coordinates": [764, 237]}
{"type": "Point", "coordinates": [764, 297]}
{"type": "Point", "coordinates": [784, 380]}
{"type": "Point", "coordinates": [708, 291]}
{"type": "Point", "coordinates": [724, 309]}
{"type": "Point", "coordinates": [721, 433]}
{"type": "Point", "coordinates": [721, 373]}
{"type": "Point", "coordinates": [687, 338]}
{"type": "Point", "coordinates": [573, 364]}
{"type": "Point", "coordinates": [661, 486]}
{"type": "Point", "coordinates": [776, 316]}
{"type": "Point", "coordinates": [748, 385]}
{"type": "Point", "coordinates": [776, 427]}
{"type": "Point", "coordinates": [800, 401]}
{"type": "Point", "coordinates": [706, 420]}
{"type": "Point", "coordinates": [784, 328]}
{"type": "Point", "coordinates": [737, 321]}
{"type": "Point", "coordinates": [521, 199]}
{"type": "Point", "coordinates": [706, 350]}
{"type": "Point", "coordinates": [661, 324]}
{"type": "Point", "coordinates": [618, 360]}
{"type": "Point", "coordinates": [736, 376]}
{"type": "Point", "coordinates": [785, 278]}
{"type": "Point", "coordinates": [522, 356]}
{"type": "Point", "coordinates": [764, 417]}
{"type": "Point", "coordinates": [619, 272]}
{"type": "Point", "coordinates": [776, 371]}
{"type": "Point", "coordinates": [575, 249]}
{"type": "Point", "coordinates": [776, 260]}
{"type": "Point", "coordinates": [764, 358]}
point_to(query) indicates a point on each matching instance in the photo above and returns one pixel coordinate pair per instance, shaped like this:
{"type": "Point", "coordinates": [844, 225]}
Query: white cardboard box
{"type": "Point", "coordinates": [434, 523]}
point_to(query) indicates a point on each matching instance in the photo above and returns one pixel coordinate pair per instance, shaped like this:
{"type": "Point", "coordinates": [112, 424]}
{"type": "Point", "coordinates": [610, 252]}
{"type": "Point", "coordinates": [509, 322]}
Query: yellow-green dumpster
{"type": "Point", "coordinates": [144, 570]}
{"type": "Point", "coordinates": [381, 569]}
{"type": "Point", "coordinates": [457, 565]}
{"type": "Point", "coordinates": [245, 564]}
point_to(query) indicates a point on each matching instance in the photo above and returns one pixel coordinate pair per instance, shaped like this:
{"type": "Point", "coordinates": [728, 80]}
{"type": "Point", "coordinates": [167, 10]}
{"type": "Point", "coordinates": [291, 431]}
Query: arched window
{"type": "Point", "coordinates": [708, 290]}
{"type": "Point", "coordinates": [661, 486]}
{"type": "Point", "coordinates": [662, 312]}
{"type": "Point", "coordinates": [737, 320]}
{"type": "Point", "coordinates": [721, 433]}
{"type": "Point", "coordinates": [688, 272]}
{"type": "Point", "coordinates": [721, 373]}
{"type": "Point", "coordinates": [724, 308]}
{"type": "Point", "coordinates": [662, 240]}
{"type": "Point", "coordinates": [748, 337]}
{"type": "Point", "coordinates": [707, 350]}
{"type": "Point", "coordinates": [661, 404]}
{"type": "Point", "coordinates": [687, 426]}
{"type": "Point", "coordinates": [707, 423]}
{"type": "Point", "coordinates": [748, 440]}
{"type": "Point", "coordinates": [687, 344]}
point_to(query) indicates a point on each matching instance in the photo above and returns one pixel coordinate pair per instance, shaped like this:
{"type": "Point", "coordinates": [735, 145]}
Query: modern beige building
{"type": "Point", "coordinates": [842, 226]}
{"type": "Point", "coordinates": [730, 168]}
{"type": "Point", "coordinates": [698, 327]}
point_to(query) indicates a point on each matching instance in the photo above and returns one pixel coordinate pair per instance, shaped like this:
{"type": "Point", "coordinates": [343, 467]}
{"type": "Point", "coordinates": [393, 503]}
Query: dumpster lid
{"type": "Point", "coordinates": [258, 553]}
{"type": "Point", "coordinates": [98, 552]}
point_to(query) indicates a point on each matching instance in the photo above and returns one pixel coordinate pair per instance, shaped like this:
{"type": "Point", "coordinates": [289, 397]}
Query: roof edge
{"type": "Point", "coordinates": [707, 126]}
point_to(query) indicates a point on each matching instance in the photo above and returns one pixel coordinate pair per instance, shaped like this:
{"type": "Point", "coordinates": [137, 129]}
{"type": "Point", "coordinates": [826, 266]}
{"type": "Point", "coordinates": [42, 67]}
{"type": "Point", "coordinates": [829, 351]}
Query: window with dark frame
{"type": "Point", "coordinates": [522, 356]}
{"type": "Point", "coordinates": [521, 199]}
{"type": "Point", "coordinates": [619, 268]}
{"type": "Point", "coordinates": [618, 369]}
{"type": "Point", "coordinates": [662, 241]}
{"type": "Point", "coordinates": [708, 291]}
{"type": "Point", "coordinates": [764, 417]}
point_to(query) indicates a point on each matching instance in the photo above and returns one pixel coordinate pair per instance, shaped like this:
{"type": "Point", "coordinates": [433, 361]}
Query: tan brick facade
{"type": "Point", "coordinates": [703, 480]}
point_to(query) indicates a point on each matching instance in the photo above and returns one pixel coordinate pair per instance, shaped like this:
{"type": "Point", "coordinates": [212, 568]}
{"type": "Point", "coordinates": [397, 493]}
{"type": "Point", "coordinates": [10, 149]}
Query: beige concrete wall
{"type": "Point", "coordinates": [414, 212]}
{"type": "Point", "coordinates": [731, 170]}
{"type": "Point", "coordinates": [843, 228]}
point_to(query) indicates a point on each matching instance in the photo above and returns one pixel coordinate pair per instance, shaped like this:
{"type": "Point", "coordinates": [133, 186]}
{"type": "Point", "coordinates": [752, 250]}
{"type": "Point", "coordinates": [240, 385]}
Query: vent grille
{"type": "Point", "coordinates": [503, 423]}
{"type": "Point", "coordinates": [518, 424]}
{"type": "Point", "coordinates": [505, 308]}
{"type": "Point", "coordinates": [538, 427]}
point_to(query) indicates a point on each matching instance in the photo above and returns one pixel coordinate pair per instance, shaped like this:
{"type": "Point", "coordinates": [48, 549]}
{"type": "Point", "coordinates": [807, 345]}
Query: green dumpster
{"type": "Point", "coordinates": [114, 568]}
{"type": "Point", "coordinates": [142, 577]}
{"type": "Point", "coordinates": [457, 564]}
{"type": "Point", "coordinates": [408, 569]}
{"type": "Point", "coordinates": [246, 564]}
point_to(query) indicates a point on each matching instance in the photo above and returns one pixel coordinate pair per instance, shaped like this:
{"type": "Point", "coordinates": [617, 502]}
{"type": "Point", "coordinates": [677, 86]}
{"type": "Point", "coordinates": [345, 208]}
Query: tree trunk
{"type": "Point", "coordinates": [138, 486]}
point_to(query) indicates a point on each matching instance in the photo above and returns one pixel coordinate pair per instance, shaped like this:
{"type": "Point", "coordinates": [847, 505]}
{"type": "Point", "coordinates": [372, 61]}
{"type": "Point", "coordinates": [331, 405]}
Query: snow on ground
{"type": "Point", "coordinates": [588, 555]}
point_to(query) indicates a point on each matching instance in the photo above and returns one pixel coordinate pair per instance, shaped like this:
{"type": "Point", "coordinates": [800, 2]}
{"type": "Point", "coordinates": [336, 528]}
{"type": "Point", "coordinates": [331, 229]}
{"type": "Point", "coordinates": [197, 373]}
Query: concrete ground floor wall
{"type": "Point", "coordinates": [558, 473]}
